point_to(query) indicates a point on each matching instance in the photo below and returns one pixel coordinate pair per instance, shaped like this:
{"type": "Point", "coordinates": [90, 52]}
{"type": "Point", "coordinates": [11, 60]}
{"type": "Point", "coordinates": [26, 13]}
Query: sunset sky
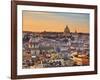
{"type": "Point", "coordinates": [55, 21]}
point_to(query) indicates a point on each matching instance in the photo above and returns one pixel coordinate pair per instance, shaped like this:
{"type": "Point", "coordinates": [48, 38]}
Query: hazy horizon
{"type": "Point", "coordinates": [55, 21]}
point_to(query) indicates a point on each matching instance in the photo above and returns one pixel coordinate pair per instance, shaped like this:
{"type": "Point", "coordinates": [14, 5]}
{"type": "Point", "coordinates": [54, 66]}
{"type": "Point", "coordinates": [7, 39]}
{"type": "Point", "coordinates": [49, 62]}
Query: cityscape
{"type": "Point", "coordinates": [48, 49]}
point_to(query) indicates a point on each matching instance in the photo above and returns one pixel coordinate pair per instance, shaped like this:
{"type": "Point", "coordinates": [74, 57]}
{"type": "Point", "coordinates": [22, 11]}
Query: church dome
{"type": "Point", "coordinates": [66, 31]}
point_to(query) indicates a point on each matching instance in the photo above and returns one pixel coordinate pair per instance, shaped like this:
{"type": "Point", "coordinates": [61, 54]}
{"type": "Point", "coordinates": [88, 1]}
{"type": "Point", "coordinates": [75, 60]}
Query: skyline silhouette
{"type": "Point", "coordinates": [55, 21]}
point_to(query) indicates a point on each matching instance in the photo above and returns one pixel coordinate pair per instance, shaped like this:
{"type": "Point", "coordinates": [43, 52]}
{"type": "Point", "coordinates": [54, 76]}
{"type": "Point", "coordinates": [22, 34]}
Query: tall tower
{"type": "Point", "coordinates": [66, 31]}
